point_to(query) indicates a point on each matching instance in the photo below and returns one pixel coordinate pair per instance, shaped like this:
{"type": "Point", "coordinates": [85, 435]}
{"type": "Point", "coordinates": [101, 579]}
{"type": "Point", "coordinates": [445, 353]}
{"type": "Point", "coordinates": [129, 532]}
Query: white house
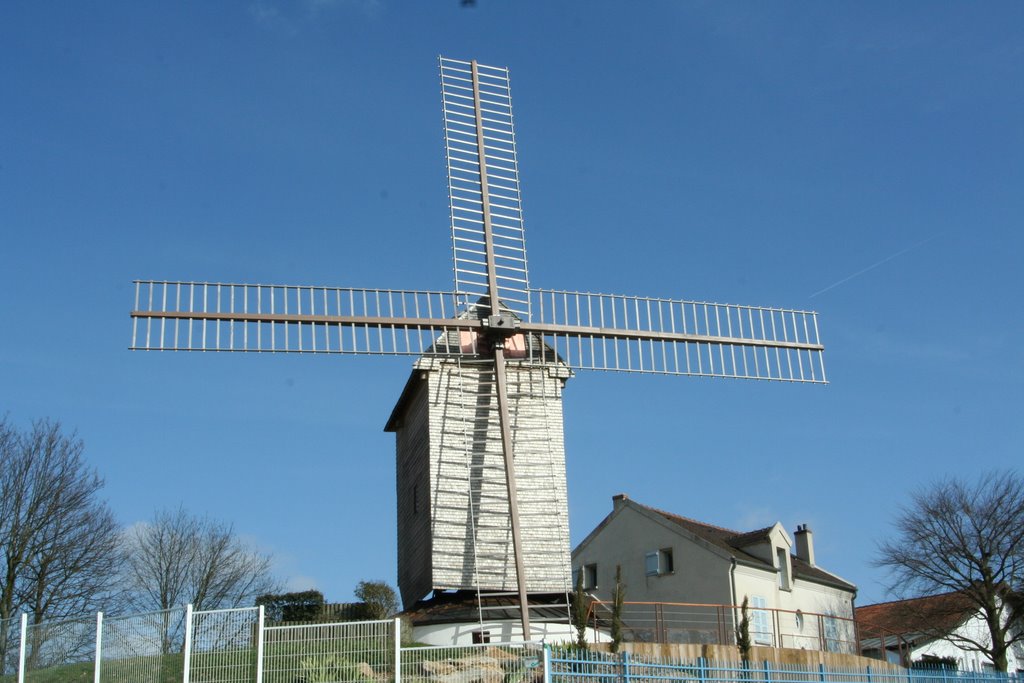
{"type": "Point", "coordinates": [911, 631]}
{"type": "Point", "coordinates": [697, 572]}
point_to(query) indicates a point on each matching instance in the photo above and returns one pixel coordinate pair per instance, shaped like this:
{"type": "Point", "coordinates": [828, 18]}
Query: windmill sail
{"type": "Point", "coordinates": [584, 331]}
{"type": "Point", "coordinates": [204, 316]}
{"type": "Point", "coordinates": [676, 337]}
{"type": "Point", "coordinates": [483, 183]}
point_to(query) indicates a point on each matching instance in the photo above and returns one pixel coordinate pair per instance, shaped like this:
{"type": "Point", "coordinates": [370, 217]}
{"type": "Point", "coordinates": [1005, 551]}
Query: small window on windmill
{"type": "Point", "coordinates": [481, 637]}
{"type": "Point", "coordinates": [415, 498]}
{"type": "Point", "coordinates": [590, 576]}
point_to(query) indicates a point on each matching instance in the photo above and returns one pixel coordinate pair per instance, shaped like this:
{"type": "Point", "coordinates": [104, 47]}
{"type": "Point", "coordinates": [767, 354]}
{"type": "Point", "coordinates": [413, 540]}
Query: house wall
{"type": "Point", "coordinates": [698, 575]}
{"type": "Point", "coordinates": [810, 599]}
{"type": "Point", "coordinates": [804, 595]}
{"type": "Point", "coordinates": [975, 629]}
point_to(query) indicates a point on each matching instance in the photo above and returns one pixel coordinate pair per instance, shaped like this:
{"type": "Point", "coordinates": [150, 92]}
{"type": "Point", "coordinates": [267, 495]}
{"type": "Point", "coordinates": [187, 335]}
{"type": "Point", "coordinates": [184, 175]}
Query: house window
{"type": "Point", "coordinates": [760, 626]}
{"type": "Point", "coordinates": [833, 638]}
{"type": "Point", "coordinates": [658, 562]}
{"type": "Point", "coordinates": [783, 558]}
{"type": "Point", "coordinates": [481, 637]}
{"type": "Point", "coordinates": [587, 575]}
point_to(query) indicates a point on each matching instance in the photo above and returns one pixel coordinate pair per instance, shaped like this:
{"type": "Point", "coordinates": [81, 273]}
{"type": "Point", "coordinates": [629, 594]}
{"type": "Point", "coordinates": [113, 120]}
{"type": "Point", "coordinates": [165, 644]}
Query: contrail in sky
{"type": "Point", "coordinates": [875, 265]}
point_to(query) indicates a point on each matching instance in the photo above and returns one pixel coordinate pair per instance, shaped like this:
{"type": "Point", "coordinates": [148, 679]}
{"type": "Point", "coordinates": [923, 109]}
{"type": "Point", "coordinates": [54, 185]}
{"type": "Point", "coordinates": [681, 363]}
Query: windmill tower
{"type": "Point", "coordinates": [454, 531]}
{"type": "Point", "coordinates": [492, 357]}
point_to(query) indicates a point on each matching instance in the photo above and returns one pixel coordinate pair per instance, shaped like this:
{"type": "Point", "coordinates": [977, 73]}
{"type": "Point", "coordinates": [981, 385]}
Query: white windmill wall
{"type": "Point", "coordinates": [468, 544]}
{"type": "Point", "coordinates": [467, 473]}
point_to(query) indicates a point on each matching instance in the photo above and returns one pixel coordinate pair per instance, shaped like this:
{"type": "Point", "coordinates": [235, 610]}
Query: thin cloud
{"type": "Point", "coordinates": [296, 584]}
{"type": "Point", "coordinates": [290, 17]}
{"type": "Point", "coordinates": [899, 253]}
{"type": "Point", "coordinates": [755, 518]}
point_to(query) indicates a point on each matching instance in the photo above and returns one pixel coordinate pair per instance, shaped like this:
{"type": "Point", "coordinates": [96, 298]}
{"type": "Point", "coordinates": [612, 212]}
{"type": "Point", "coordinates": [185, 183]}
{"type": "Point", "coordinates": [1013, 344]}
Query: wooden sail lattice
{"type": "Point", "coordinates": [582, 331]}
{"type": "Point", "coordinates": [587, 331]}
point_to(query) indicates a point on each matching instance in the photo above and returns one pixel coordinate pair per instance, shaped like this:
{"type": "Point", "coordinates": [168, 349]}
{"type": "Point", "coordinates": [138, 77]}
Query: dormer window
{"type": "Point", "coordinates": [782, 557]}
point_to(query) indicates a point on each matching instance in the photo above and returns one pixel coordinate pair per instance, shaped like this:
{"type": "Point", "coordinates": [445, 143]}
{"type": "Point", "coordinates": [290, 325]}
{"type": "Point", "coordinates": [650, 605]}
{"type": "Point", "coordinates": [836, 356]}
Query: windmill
{"type": "Point", "coordinates": [494, 319]}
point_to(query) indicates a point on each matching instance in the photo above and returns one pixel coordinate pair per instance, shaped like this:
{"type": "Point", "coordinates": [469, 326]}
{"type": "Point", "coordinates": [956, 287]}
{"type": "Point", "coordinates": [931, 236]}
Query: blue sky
{"type": "Point", "coordinates": [865, 160]}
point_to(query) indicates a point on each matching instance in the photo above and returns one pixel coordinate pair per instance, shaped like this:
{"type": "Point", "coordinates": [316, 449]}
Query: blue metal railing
{"type": "Point", "coordinates": [579, 666]}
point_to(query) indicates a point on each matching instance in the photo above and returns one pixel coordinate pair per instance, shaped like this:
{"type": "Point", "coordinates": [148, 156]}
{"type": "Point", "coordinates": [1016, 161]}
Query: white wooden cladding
{"type": "Point", "coordinates": [471, 544]}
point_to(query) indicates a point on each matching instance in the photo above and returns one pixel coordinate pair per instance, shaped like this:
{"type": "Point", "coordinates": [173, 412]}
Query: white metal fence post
{"type": "Point", "coordinates": [547, 663]}
{"type": "Point", "coordinates": [398, 650]}
{"type": "Point", "coordinates": [99, 647]}
{"type": "Point", "coordinates": [259, 646]}
{"type": "Point", "coordinates": [21, 648]}
{"type": "Point", "coordinates": [187, 651]}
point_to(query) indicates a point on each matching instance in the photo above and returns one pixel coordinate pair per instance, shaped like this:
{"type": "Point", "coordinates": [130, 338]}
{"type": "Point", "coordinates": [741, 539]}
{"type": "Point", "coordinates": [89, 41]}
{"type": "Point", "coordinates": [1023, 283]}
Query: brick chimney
{"type": "Point", "coordinates": [804, 544]}
{"type": "Point", "coordinates": [618, 500]}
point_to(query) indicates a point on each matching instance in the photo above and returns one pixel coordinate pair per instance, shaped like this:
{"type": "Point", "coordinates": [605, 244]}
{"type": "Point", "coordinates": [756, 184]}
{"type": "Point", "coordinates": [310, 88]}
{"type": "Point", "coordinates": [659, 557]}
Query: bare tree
{"type": "Point", "coordinates": [179, 558]}
{"type": "Point", "coordinates": [59, 551]}
{"type": "Point", "coordinates": [965, 540]}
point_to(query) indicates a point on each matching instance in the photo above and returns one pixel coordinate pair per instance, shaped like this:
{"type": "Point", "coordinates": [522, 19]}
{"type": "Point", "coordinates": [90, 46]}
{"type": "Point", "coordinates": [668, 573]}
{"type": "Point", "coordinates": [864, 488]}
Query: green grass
{"type": "Point", "coordinates": [71, 673]}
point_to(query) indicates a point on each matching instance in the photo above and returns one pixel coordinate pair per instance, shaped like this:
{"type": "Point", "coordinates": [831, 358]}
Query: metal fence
{"type": "Point", "coordinates": [223, 646]}
{"type": "Point", "coordinates": [352, 651]}
{"type": "Point", "coordinates": [170, 646]}
{"type": "Point", "coordinates": [140, 648]}
{"type": "Point", "coordinates": [68, 646]}
{"type": "Point", "coordinates": [575, 666]}
{"type": "Point", "coordinates": [236, 646]}
{"type": "Point", "coordinates": [670, 622]}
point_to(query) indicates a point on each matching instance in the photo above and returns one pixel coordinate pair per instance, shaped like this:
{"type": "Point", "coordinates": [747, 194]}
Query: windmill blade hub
{"type": "Point", "coordinates": [500, 326]}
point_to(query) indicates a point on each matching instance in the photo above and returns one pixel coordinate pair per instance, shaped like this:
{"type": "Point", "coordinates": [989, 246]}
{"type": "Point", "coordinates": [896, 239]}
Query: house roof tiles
{"type": "Point", "coordinates": [930, 615]}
